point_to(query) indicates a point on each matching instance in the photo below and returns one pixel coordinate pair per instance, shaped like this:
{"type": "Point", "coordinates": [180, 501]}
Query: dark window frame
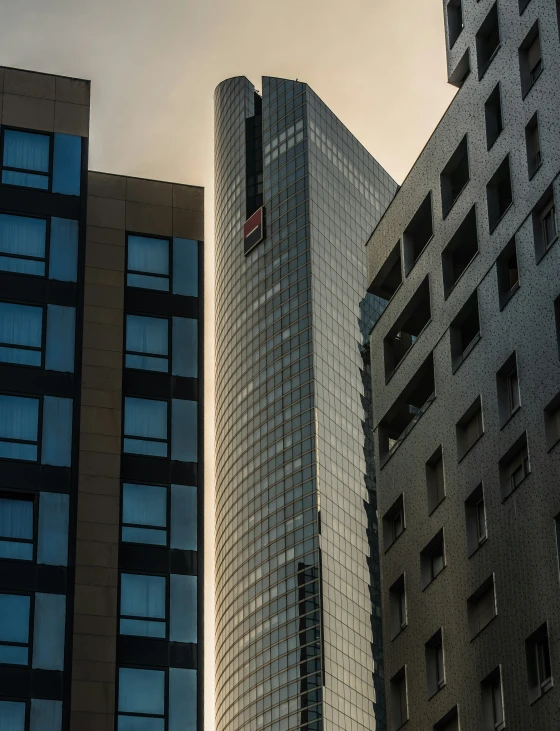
{"type": "Point", "coordinates": [167, 441]}
{"type": "Point", "coordinates": [165, 671]}
{"type": "Point", "coordinates": [47, 219]}
{"type": "Point", "coordinates": [165, 622]}
{"type": "Point", "coordinates": [506, 289]}
{"type": "Point", "coordinates": [48, 175]}
{"type": "Point", "coordinates": [166, 530]}
{"type": "Point", "coordinates": [40, 398]}
{"type": "Point", "coordinates": [30, 643]}
{"type": "Point", "coordinates": [476, 538]}
{"type": "Point", "coordinates": [492, 135]}
{"type": "Point", "coordinates": [42, 349]}
{"type": "Point", "coordinates": [31, 497]}
{"type": "Point", "coordinates": [169, 278]}
{"type": "Point", "coordinates": [168, 357]}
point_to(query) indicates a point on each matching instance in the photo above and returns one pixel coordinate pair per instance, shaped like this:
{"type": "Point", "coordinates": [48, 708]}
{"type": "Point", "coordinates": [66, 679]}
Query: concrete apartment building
{"type": "Point", "coordinates": [101, 459]}
{"type": "Point", "coordinates": [466, 388]}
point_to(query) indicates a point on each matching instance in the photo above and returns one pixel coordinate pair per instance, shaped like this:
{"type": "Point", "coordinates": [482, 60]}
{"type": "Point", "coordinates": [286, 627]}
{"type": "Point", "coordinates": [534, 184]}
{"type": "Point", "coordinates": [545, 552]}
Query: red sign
{"type": "Point", "coordinates": [253, 230]}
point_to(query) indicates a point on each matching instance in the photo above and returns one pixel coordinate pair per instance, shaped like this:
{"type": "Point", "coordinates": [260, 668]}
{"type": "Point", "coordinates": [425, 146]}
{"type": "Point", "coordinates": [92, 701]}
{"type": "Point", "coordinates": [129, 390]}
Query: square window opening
{"type": "Point", "coordinates": [499, 194]}
{"type": "Point", "coordinates": [432, 559]}
{"type": "Point", "coordinates": [399, 703]}
{"type": "Point", "coordinates": [493, 116]}
{"type": "Point", "coordinates": [488, 40]}
{"type": "Point", "coordinates": [514, 466]}
{"type": "Point", "coordinates": [493, 717]}
{"type": "Point", "coordinates": [418, 234]}
{"type": "Point", "coordinates": [397, 606]}
{"type": "Point", "coordinates": [464, 331]}
{"type": "Point", "coordinates": [507, 381]}
{"type": "Point", "coordinates": [475, 515]}
{"type": "Point", "coordinates": [459, 252]}
{"type": "Point", "coordinates": [481, 607]}
{"type": "Point", "coordinates": [507, 270]}
{"type": "Point", "coordinates": [407, 409]}
{"type": "Point", "coordinates": [407, 328]}
{"type": "Point", "coordinates": [450, 722]}
{"type": "Point", "coordinates": [455, 176]}
{"type": "Point", "coordinates": [470, 428]}
{"type": "Point", "coordinates": [454, 20]}
{"type": "Point", "coordinates": [545, 228]}
{"type": "Point", "coordinates": [530, 59]}
{"type": "Point", "coordinates": [435, 480]}
{"type": "Point", "coordinates": [539, 669]}
{"type": "Point", "coordinates": [552, 422]}
{"type": "Point", "coordinates": [533, 143]}
{"type": "Point", "coordinates": [435, 663]}
{"type": "Point", "coordinates": [393, 522]}
{"type": "Point", "coordinates": [389, 278]}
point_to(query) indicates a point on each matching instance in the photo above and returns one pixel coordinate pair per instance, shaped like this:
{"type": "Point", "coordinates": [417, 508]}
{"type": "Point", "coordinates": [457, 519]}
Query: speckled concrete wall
{"type": "Point", "coordinates": [521, 547]}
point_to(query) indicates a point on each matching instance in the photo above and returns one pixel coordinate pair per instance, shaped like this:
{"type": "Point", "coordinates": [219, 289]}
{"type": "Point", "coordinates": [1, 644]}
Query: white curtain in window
{"type": "Point", "coordinates": [45, 715]}
{"type": "Point", "coordinates": [12, 716]}
{"type": "Point", "coordinates": [142, 691]}
{"type": "Point", "coordinates": [148, 255]}
{"type": "Point", "coordinates": [26, 150]}
{"type": "Point", "coordinates": [147, 335]}
{"type": "Point", "coordinates": [21, 235]}
{"type": "Point", "coordinates": [20, 324]}
{"type": "Point", "coordinates": [19, 417]}
{"type": "Point", "coordinates": [16, 519]}
{"type": "Point", "coordinates": [145, 418]}
{"type": "Point", "coordinates": [143, 596]}
{"type": "Point", "coordinates": [145, 505]}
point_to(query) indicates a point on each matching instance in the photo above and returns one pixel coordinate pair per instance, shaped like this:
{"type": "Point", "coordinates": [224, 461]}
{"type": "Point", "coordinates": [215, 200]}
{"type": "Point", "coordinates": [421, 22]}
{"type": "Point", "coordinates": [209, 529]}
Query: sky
{"type": "Point", "coordinates": [154, 64]}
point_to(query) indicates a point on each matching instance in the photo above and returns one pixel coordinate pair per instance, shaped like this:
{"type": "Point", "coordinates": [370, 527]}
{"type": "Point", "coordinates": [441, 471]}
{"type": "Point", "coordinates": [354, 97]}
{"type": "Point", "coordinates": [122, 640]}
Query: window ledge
{"type": "Point", "coordinates": [436, 506]}
{"type": "Point", "coordinates": [399, 633]}
{"type": "Point", "coordinates": [468, 350]}
{"type": "Point", "coordinates": [396, 368]}
{"type": "Point", "coordinates": [422, 250]}
{"type": "Point", "coordinates": [514, 489]}
{"type": "Point", "coordinates": [452, 206]}
{"type": "Point", "coordinates": [425, 588]}
{"type": "Point", "coordinates": [501, 218]}
{"type": "Point", "coordinates": [393, 543]}
{"type": "Point", "coordinates": [450, 291]}
{"type": "Point", "coordinates": [473, 445]}
{"type": "Point", "coordinates": [535, 170]}
{"type": "Point", "coordinates": [508, 295]}
{"type": "Point", "coordinates": [510, 417]}
{"type": "Point", "coordinates": [542, 691]}
{"type": "Point", "coordinates": [479, 546]}
{"type": "Point", "coordinates": [530, 88]}
{"type": "Point", "coordinates": [481, 630]}
{"type": "Point", "coordinates": [437, 690]}
{"type": "Point", "coordinates": [489, 62]}
{"type": "Point", "coordinates": [552, 446]}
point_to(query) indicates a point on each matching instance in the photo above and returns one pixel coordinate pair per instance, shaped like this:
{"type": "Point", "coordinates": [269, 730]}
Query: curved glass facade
{"type": "Point", "coordinates": [293, 496]}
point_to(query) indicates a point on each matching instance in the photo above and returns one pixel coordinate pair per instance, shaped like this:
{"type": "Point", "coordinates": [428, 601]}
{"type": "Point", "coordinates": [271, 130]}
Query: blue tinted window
{"type": "Point", "coordinates": [19, 423]}
{"type": "Point", "coordinates": [45, 715]}
{"type": "Point", "coordinates": [182, 700]}
{"type": "Point", "coordinates": [143, 605]}
{"type": "Point", "coordinates": [26, 154]}
{"type": "Point", "coordinates": [14, 629]}
{"type": "Point", "coordinates": [61, 323]}
{"type": "Point", "coordinates": [184, 515]}
{"type": "Point", "coordinates": [16, 529]}
{"type": "Point", "coordinates": [147, 343]}
{"type": "Point", "coordinates": [57, 431]}
{"type": "Point", "coordinates": [185, 347]}
{"type": "Point", "coordinates": [182, 608]}
{"type": "Point", "coordinates": [21, 334]}
{"type": "Point", "coordinates": [12, 716]}
{"type": "Point", "coordinates": [185, 267]}
{"type": "Point", "coordinates": [63, 258]}
{"type": "Point", "coordinates": [52, 541]}
{"type": "Point", "coordinates": [145, 427]}
{"type": "Point", "coordinates": [144, 514]}
{"type": "Point", "coordinates": [67, 164]}
{"type": "Point", "coordinates": [22, 244]}
{"type": "Point", "coordinates": [48, 631]}
{"type": "Point", "coordinates": [141, 693]}
{"type": "Point", "coordinates": [148, 263]}
{"type": "Point", "coordinates": [184, 442]}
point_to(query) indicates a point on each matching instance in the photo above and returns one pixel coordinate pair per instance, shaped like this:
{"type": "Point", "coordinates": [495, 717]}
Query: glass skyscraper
{"type": "Point", "coordinates": [298, 635]}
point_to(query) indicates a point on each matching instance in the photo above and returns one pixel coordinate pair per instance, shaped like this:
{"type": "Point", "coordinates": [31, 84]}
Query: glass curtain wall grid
{"type": "Point", "coordinates": [276, 559]}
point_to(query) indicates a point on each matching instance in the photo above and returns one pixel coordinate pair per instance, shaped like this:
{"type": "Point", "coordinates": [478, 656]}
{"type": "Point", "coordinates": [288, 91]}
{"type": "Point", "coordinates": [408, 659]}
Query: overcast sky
{"type": "Point", "coordinates": [154, 64]}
